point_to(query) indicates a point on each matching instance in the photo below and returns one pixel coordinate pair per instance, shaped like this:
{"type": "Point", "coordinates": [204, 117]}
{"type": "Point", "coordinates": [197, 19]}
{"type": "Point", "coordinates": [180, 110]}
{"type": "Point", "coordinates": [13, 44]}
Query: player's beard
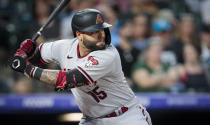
{"type": "Point", "coordinates": [92, 46]}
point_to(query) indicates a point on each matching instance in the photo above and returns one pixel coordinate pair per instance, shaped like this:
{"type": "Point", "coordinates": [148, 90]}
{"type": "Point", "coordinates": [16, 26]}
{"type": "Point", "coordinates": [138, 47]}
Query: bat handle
{"type": "Point", "coordinates": [36, 36]}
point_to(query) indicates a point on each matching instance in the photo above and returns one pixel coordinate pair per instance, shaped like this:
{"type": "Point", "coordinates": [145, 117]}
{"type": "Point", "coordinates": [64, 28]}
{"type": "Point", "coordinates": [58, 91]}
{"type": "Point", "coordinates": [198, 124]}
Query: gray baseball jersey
{"type": "Point", "coordinates": [108, 89]}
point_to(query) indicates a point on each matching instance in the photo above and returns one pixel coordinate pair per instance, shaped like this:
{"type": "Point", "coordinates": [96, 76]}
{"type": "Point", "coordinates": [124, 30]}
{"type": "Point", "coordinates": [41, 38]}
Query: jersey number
{"type": "Point", "coordinates": [97, 95]}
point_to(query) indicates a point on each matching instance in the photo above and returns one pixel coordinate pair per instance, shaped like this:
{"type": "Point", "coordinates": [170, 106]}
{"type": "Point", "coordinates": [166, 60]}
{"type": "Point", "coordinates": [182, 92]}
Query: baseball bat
{"type": "Point", "coordinates": [14, 61]}
{"type": "Point", "coordinates": [55, 12]}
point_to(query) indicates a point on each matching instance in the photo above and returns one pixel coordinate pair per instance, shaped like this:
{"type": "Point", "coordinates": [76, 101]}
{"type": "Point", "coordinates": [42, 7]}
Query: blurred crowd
{"type": "Point", "coordinates": [164, 45]}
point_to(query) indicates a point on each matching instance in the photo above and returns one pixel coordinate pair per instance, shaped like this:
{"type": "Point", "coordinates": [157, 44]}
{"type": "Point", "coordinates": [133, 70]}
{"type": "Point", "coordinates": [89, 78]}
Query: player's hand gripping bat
{"type": "Point", "coordinates": [14, 62]}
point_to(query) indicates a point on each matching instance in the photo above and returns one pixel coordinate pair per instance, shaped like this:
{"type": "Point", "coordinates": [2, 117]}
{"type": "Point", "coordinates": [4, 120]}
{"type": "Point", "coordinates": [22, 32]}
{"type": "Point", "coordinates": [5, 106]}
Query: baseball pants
{"type": "Point", "coordinates": [135, 115]}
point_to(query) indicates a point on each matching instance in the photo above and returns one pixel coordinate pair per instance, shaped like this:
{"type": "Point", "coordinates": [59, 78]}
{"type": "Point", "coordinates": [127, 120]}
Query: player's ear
{"type": "Point", "coordinates": [78, 33]}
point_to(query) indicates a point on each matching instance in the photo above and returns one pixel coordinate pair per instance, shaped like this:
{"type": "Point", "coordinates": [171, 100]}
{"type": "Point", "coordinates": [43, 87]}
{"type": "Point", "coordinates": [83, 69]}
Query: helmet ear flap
{"type": "Point", "coordinates": [74, 33]}
{"type": "Point", "coordinates": [107, 36]}
{"type": "Point", "coordinates": [74, 29]}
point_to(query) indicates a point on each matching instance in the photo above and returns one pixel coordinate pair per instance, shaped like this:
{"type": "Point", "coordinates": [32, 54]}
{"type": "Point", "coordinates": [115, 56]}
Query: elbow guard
{"type": "Point", "coordinates": [71, 79]}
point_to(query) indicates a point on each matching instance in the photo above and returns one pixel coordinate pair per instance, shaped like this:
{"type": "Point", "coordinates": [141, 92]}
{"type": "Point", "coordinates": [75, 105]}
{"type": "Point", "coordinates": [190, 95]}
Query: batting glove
{"type": "Point", "coordinates": [28, 47]}
{"type": "Point", "coordinates": [21, 53]}
{"type": "Point", "coordinates": [21, 65]}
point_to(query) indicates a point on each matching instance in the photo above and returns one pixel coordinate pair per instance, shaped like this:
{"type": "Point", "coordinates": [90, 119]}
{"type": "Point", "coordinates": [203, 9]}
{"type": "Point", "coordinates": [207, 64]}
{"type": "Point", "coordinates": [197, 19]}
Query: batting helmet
{"type": "Point", "coordinates": [90, 20]}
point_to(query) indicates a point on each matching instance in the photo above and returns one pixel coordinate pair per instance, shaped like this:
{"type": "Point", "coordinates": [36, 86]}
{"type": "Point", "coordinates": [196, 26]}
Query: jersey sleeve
{"type": "Point", "coordinates": [47, 51]}
{"type": "Point", "coordinates": [53, 52]}
{"type": "Point", "coordinates": [96, 66]}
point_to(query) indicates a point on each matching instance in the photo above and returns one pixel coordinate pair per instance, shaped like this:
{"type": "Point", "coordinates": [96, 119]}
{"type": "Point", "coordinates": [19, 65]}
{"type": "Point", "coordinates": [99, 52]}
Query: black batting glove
{"type": "Point", "coordinates": [19, 64]}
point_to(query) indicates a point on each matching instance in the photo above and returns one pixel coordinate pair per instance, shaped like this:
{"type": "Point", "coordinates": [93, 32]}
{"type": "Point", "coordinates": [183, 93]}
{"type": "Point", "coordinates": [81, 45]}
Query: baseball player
{"type": "Point", "coordinates": [91, 69]}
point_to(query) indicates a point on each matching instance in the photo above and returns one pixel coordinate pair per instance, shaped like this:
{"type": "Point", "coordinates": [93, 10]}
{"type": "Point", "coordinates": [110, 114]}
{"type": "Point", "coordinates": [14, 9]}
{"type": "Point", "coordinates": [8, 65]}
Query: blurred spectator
{"type": "Point", "coordinates": [151, 75]}
{"type": "Point", "coordinates": [123, 5]}
{"type": "Point", "coordinates": [162, 4]}
{"type": "Point", "coordinates": [128, 52]}
{"type": "Point", "coordinates": [65, 28]}
{"type": "Point", "coordinates": [185, 34]}
{"type": "Point", "coordinates": [192, 73]}
{"type": "Point", "coordinates": [162, 29]}
{"type": "Point", "coordinates": [6, 78]}
{"type": "Point", "coordinates": [168, 15]}
{"type": "Point", "coordinates": [6, 10]}
{"type": "Point", "coordinates": [205, 9]}
{"type": "Point", "coordinates": [41, 12]}
{"type": "Point", "coordinates": [205, 42]}
{"type": "Point", "coordinates": [111, 14]}
{"type": "Point", "coordinates": [194, 5]}
{"type": "Point", "coordinates": [4, 88]}
{"type": "Point", "coordinates": [4, 46]}
{"type": "Point", "coordinates": [5, 19]}
{"type": "Point", "coordinates": [146, 6]}
{"type": "Point", "coordinates": [140, 31]}
{"type": "Point", "coordinates": [22, 86]}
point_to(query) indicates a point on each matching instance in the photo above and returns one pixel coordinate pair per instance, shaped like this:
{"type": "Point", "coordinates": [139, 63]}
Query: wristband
{"type": "Point", "coordinates": [33, 71]}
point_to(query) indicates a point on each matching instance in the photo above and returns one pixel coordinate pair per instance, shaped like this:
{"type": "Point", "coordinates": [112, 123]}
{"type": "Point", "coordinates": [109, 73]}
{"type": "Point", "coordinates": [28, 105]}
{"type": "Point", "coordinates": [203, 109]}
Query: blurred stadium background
{"type": "Point", "coordinates": [164, 47]}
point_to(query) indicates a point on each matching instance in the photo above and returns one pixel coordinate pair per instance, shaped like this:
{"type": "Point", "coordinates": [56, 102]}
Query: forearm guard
{"type": "Point", "coordinates": [71, 79]}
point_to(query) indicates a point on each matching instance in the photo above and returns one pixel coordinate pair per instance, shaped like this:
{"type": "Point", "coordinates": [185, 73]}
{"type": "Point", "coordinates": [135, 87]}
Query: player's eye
{"type": "Point", "coordinates": [91, 33]}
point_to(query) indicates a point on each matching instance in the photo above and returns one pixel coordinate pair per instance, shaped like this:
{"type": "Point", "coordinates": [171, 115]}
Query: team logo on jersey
{"type": "Point", "coordinates": [99, 19]}
{"type": "Point", "coordinates": [91, 61]}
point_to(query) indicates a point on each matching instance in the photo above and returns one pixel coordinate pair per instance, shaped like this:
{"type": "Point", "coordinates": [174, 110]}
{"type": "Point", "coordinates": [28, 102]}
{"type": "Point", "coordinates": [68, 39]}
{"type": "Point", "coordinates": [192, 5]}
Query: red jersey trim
{"type": "Point", "coordinates": [86, 74]}
{"type": "Point", "coordinates": [41, 59]}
